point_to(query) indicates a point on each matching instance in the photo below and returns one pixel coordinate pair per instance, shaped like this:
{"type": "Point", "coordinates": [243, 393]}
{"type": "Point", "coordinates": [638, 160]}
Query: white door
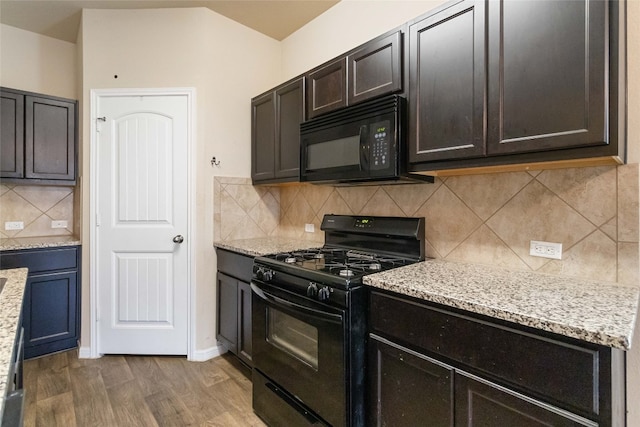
{"type": "Point", "coordinates": [142, 217]}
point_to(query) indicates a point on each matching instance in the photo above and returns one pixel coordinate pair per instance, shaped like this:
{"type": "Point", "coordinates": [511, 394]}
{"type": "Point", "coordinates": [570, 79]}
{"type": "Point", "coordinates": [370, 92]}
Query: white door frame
{"type": "Point", "coordinates": [96, 94]}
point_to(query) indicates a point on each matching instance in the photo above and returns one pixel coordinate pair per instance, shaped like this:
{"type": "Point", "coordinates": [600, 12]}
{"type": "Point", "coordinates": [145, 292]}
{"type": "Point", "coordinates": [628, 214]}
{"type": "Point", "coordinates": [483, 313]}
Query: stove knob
{"type": "Point", "coordinates": [323, 293]}
{"type": "Point", "coordinates": [312, 290]}
{"type": "Point", "coordinates": [264, 274]}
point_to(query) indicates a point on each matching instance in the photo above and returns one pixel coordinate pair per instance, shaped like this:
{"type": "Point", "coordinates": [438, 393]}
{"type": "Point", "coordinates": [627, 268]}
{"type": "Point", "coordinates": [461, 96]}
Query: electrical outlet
{"type": "Point", "coordinates": [59, 224]}
{"type": "Point", "coordinates": [545, 249]}
{"type": "Point", "coordinates": [13, 225]}
{"type": "Point", "coordinates": [309, 228]}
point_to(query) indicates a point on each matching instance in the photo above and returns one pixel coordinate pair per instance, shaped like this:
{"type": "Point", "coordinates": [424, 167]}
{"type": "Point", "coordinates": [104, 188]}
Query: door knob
{"type": "Point", "coordinates": [178, 239]}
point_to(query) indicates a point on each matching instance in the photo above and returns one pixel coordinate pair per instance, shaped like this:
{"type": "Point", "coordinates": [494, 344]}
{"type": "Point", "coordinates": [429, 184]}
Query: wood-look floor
{"type": "Point", "coordinates": [62, 390]}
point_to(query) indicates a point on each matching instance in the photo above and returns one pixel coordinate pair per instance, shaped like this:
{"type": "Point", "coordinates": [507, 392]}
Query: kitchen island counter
{"type": "Point", "coordinates": [598, 312]}
{"type": "Point", "coordinates": [266, 245]}
{"type": "Point", "coordinates": [10, 307]}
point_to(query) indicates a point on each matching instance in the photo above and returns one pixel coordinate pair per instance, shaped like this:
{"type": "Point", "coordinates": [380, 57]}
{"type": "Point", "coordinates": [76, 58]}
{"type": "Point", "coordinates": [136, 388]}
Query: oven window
{"type": "Point", "coordinates": [294, 337]}
{"type": "Point", "coordinates": [334, 153]}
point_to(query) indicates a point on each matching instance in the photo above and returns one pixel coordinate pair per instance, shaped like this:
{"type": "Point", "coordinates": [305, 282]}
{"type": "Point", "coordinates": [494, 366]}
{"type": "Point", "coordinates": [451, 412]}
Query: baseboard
{"type": "Point", "coordinates": [84, 353]}
{"type": "Point", "coordinates": [208, 353]}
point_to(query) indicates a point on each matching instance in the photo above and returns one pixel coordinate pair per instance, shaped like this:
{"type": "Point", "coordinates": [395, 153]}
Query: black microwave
{"type": "Point", "coordinates": [364, 143]}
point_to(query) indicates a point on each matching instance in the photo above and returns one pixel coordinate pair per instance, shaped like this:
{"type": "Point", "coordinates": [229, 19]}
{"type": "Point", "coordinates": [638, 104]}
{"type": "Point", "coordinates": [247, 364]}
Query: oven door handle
{"type": "Point", "coordinates": [318, 314]}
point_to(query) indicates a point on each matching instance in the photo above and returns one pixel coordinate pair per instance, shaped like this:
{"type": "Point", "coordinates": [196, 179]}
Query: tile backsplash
{"type": "Point", "coordinates": [36, 206]}
{"type": "Point", "coordinates": [488, 219]}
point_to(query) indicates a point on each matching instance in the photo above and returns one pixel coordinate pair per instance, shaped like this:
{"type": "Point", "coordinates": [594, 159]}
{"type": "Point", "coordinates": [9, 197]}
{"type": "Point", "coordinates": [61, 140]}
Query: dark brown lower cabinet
{"type": "Point", "coordinates": [434, 366]}
{"type": "Point", "coordinates": [234, 303]}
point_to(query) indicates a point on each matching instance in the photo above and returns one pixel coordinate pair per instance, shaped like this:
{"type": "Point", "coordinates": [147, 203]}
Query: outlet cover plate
{"type": "Point", "coordinates": [13, 225]}
{"type": "Point", "coordinates": [309, 228]}
{"type": "Point", "coordinates": [59, 224]}
{"type": "Point", "coordinates": [545, 249]}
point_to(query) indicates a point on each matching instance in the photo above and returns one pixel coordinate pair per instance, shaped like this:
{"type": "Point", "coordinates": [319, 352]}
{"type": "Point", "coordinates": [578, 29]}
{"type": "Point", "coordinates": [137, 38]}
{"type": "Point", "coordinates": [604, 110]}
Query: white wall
{"type": "Point", "coordinates": [35, 63]}
{"type": "Point", "coordinates": [226, 62]}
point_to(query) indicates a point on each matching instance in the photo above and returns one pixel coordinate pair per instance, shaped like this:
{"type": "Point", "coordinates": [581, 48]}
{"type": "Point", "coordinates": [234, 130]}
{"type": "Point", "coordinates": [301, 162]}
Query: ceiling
{"type": "Point", "coordinates": [60, 19]}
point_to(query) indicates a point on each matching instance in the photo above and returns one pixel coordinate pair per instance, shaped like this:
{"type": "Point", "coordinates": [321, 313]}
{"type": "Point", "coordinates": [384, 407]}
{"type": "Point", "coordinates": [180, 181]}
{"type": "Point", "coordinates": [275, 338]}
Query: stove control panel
{"type": "Point", "coordinates": [318, 291]}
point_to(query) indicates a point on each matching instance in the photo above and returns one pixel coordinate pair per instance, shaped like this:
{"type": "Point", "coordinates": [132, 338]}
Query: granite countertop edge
{"type": "Point", "coordinates": [10, 307]}
{"type": "Point", "coordinates": [266, 245]}
{"type": "Point", "coordinates": [20, 243]}
{"type": "Point", "coordinates": [597, 312]}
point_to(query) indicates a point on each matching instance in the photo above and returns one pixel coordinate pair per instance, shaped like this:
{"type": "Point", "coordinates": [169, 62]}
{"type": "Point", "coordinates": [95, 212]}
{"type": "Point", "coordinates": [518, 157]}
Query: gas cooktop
{"type": "Point", "coordinates": [341, 262]}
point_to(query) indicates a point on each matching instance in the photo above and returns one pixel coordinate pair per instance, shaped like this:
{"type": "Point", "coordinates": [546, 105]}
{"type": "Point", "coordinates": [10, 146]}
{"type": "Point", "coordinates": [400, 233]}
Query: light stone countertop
{"type": "Point", "coordinates": [10, 244]}
{"type": "Point", "coordinates": [10, 307]}
{"type": "Point", "coordinates": [597, 312]}
{"type": "Point", "coordinates": [266, 245]}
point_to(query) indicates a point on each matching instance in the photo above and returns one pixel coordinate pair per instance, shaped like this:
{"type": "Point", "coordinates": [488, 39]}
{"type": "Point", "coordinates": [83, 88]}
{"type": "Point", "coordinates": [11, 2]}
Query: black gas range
{"type": "Point", "coordinates": [309, 319]}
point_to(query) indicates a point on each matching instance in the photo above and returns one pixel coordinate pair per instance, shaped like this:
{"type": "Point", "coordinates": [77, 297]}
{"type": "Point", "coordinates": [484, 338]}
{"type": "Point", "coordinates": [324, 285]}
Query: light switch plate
{"type": "Point", "coordinates": [309, 228]}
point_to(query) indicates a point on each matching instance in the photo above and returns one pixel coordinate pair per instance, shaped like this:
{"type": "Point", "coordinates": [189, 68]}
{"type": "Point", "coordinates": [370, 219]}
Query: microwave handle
{"type": "Point", "coordinates": [364, 148]}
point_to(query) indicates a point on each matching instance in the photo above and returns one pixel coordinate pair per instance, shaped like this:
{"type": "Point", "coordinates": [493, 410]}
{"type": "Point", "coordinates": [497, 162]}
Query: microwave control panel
{"type": "Point", "coordinates": [380, 144]}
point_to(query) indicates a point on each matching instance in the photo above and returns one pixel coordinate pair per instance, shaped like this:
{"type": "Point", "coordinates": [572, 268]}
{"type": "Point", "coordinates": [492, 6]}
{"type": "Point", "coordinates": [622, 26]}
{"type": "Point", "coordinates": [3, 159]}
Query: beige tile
{"type": "Point", "coordinates": [430, 251]}
{"type": "Point", "coordinates": [316, 195]}
{"type": "Point", "coordinates": [628, 264]}
{"type": "Point", "coordinates": [448, 221]}
{"type": "Point", "coordinates": [217, 226]}
{"type": "Point", "coordinates": [15, 208]}
{"type": "Point", "coordinates": [63, 210]}
{"type": "Point", "coordinates": [246, 229]}
{"type": "Point", "coordinates": [246, 196]}
{"type": "Point", "coordinates": [357, 197]}
{"type": "Point", "coordinates": [43, 197]}
{"type": "Point", "coordinates": [335, 204]}
{"type": "Point", "coordinates": [275, 192]}
{"type": "Point", "coordinates": [610, 228]}
{"type": "Point", "coordinates": [3, 189]}
{"type": "Point", "coordinates": [300, 213]}
{"type": "Point", "coordinates": [234, 180]}
{"type": "Point", "coordinates": [266, 214]}
{"type": "Point", "coordinates": [534, 173]}
{"type": "Point", "coordinates": [484, 247]}
{"type": "Point", "coordinates": [231, 214]}
{"type": "Point", "coordinates": [380, 204]}
{"type": "Point", "coordinates": [287, 195]}
{"type": "Point", "coordinates": [42, 227]}
{"type": "Point", "coordinates": [485, 194]}
{"type": "Point", "coordinates": [410, 197]}
{"type": "Point", "coordinates": [590, 191]}
{"type": "Point", "coordinates": [288, 229]}
{"type": "Point", "coordinates": [217, 188]}
{"type": "Point", "coordinates": [592, 258]}
{"type": "Point", "coordinates": [536, 213]}
{"type": "Point", "coordinates": [628, 194]}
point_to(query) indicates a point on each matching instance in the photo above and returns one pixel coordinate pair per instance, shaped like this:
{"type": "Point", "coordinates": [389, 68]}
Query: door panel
{"type": "Point", "coordinates": [142, 181]}
{"type": "Point", "coordinates": [12, 135]}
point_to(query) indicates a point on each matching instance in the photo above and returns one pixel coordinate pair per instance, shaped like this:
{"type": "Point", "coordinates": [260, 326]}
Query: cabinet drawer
{"type": "Point", "coordinates": [564, 374]}
{"type": "Point", "coordinates": [235, 265]}
{"type": "Point", "coordinates": [39, 260]}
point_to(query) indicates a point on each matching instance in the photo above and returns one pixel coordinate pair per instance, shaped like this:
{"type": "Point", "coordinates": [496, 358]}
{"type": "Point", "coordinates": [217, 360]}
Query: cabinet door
{"type": "Point", "coordinates": [263, 138]}
{"type": "Point", "coordinates": [50, 313]}
{"type": "Point", "coordinates": [376, 69]}
{"type": "Point", "coordinates": [50, 135]}
{"type": "Point", "coordinates": [480, 403]}
{"type": "Point", "coordinates": [547, 80]}
{"type": "Point", "coordinates": [447, 83]}
{"type": "Point", "coordinates": [12, 135]}
{"type": "Point", "coordinates": [289, 114]}
{"type": "Point", "coordinates": [244, 323]}
{"type": "Point", "coordinates": [228, 311]}
{"type": "Point", "coordinates": [327, 88]}
{"type": "Point", "coordinates": [408, 389]}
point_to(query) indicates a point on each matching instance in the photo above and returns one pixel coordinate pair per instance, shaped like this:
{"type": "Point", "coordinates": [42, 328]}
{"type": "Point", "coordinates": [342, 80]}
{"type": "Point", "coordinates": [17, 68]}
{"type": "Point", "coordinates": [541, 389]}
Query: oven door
{"type": "Point", "coordinates": [299, 345]}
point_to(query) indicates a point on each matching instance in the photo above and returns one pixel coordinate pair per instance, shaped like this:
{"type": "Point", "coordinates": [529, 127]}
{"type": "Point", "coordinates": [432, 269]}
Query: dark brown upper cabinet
{"type": "Point", "coordinates": [375, 69]}
{"type": "Point", "coordinates": [38, 138]}
{"type": "Point", "coordinates": [275, 133]}
{"type": "Point", "coordinates": [446, 84]}
{"type": "Point", "coordinates": [12, 148]}
{"type": "Point", "coordinates": [368, 71]}
{"type": "Point", "coordinates": [547, 75]}
{"type": "Point", "coordinates": [327, 88]}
